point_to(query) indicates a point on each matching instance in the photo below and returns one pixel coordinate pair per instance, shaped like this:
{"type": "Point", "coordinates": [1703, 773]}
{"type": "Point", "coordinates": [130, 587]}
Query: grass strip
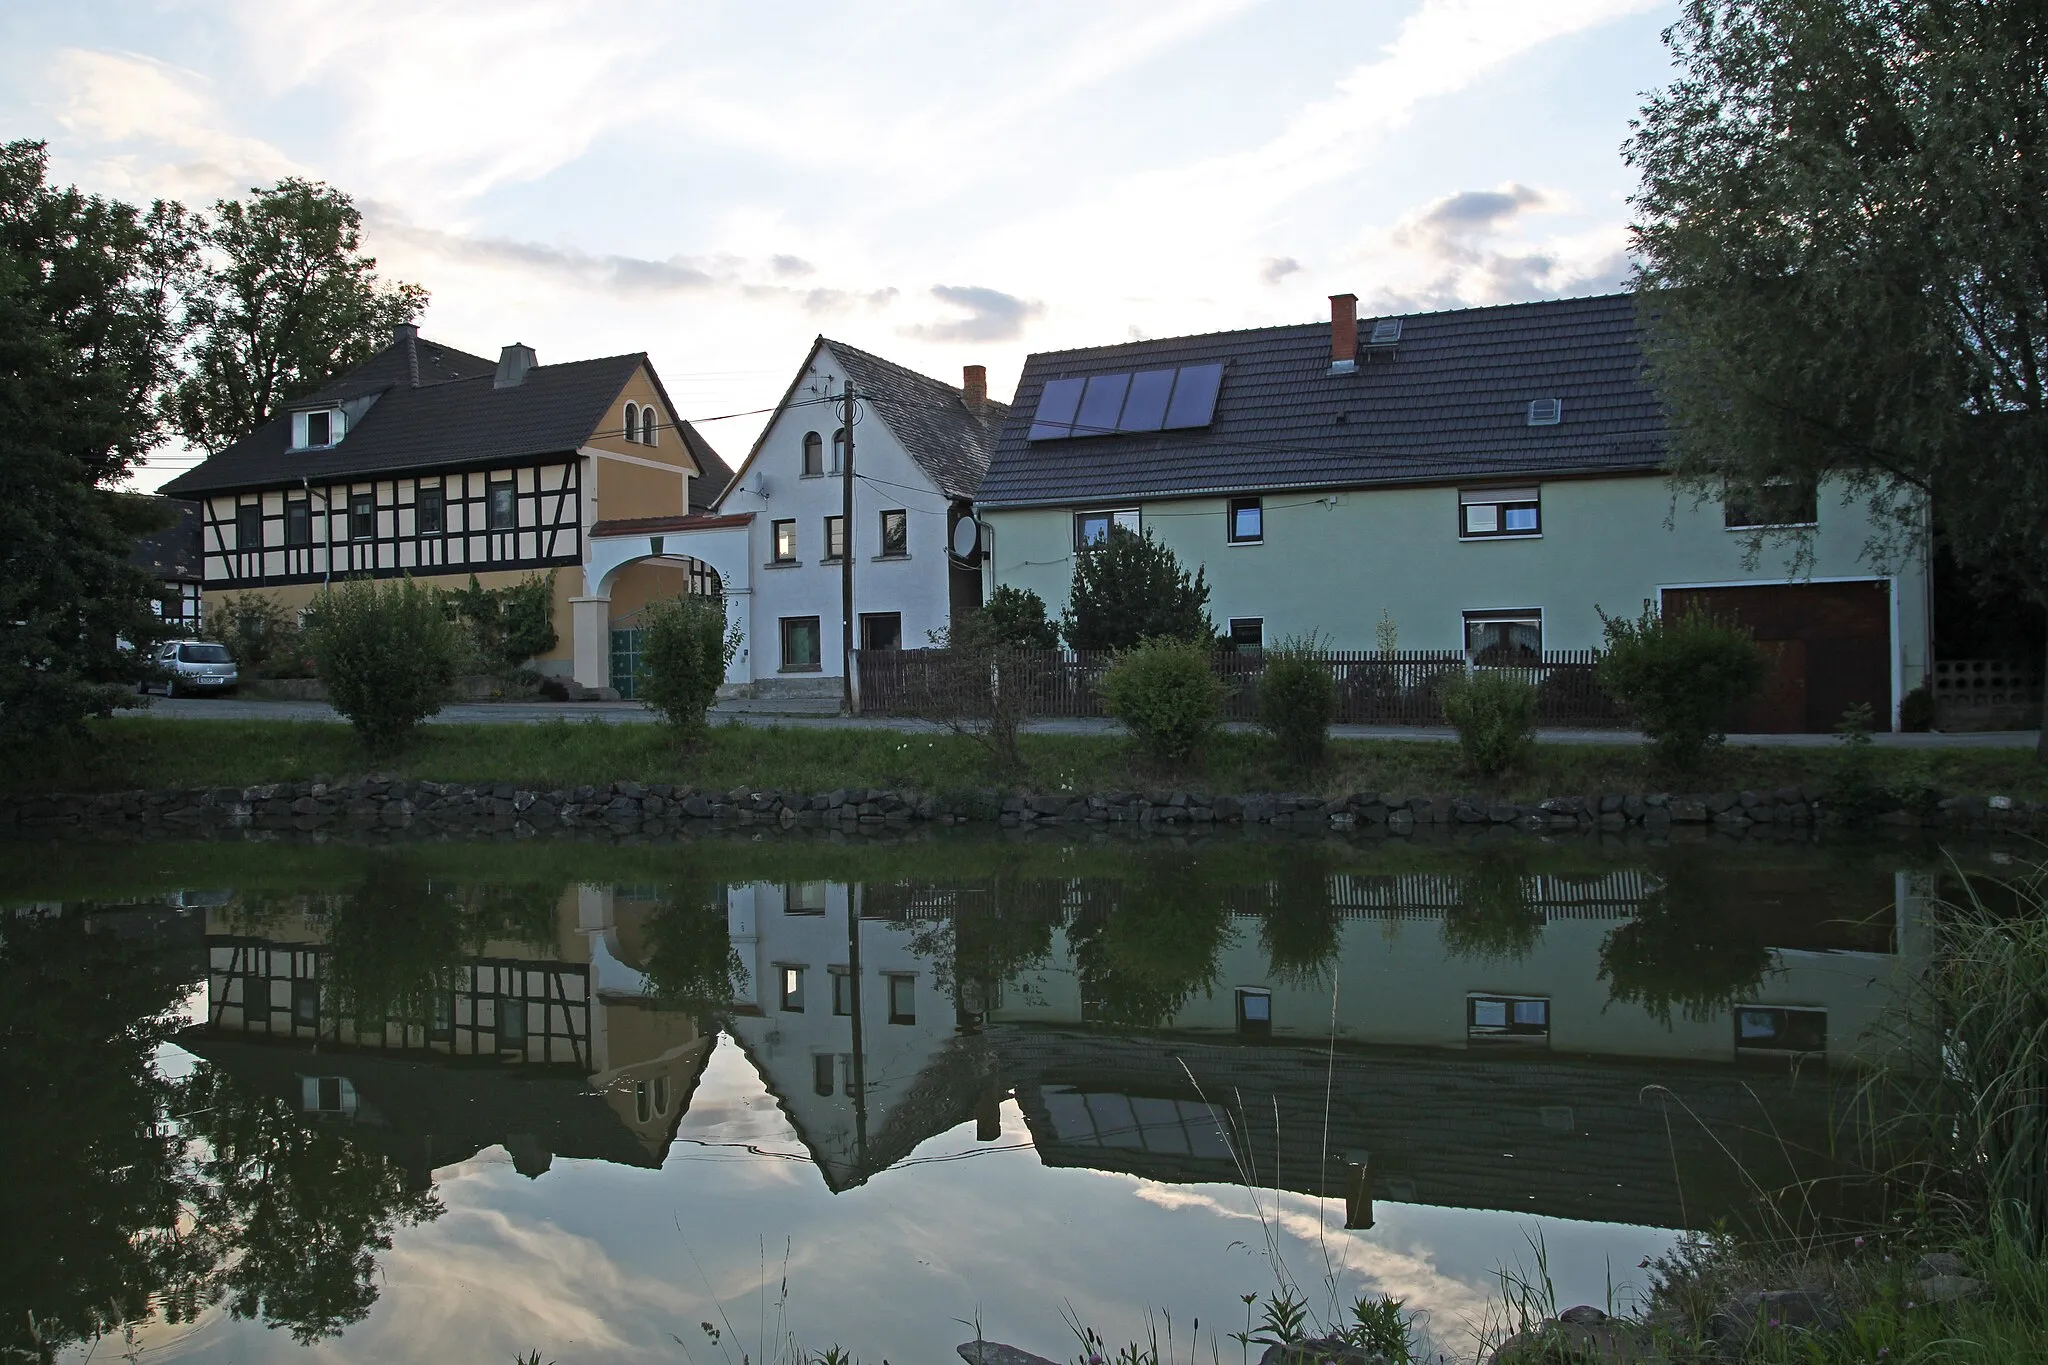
{"type": "Point", "coordinates": [126, 753]}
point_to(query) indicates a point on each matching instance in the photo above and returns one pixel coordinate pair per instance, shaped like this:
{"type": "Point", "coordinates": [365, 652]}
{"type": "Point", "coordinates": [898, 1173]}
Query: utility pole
{"type": "Point", "coordinates": [846, 555]}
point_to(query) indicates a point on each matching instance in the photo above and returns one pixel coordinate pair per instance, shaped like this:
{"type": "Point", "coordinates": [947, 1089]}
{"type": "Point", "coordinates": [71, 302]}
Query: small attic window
{"type": "Point", "coordinates": [316, 430]}
{"type": "Point", "coordinates": [1546, 412]}
{"type": "Point", "coordinates": [1385, 332]}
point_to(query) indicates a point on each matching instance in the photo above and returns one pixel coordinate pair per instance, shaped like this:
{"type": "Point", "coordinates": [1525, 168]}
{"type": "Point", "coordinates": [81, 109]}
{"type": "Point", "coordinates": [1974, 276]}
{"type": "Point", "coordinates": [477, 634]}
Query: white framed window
{"type": "Point", "coordinates": [1092, 528]}
{"type": "Point", "coordinates": [317, 429]}
{"type": "Point", "coordinates": [792, 980]}
{"type": "Point", "coordinates": [1780, 1028]}
{"type": "Point", "coordinates": [1247, 521]}
{"type": "Point", "coordinates": [650, 430]}
{"type": "Point", "coordinates": [804, 898]}
{"type": "Point", "coordinates": [1504, 639]}
{"type": "Point", "coordinates": [1509, 1018]}
{"type": "Point", "coordinates": [1499, 513]}
{"type": "Point", "coordinates": [1255, 1012]}
{"type": "Point", "coordinates": [814, 455]}
{"type": "Point", "coordinates": [902, 999]}
{"type": "Point", "coordinates": [633, 422]}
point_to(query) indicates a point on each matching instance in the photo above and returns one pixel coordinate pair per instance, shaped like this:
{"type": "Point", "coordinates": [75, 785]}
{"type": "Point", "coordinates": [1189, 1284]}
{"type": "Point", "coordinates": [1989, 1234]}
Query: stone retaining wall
{"type": "Point", "coordinates": [385, 803]}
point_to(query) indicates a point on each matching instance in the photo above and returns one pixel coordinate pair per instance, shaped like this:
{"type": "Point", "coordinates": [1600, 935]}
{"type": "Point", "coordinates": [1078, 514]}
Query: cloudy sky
{"type": "Point", "coordinates": [943, 183]}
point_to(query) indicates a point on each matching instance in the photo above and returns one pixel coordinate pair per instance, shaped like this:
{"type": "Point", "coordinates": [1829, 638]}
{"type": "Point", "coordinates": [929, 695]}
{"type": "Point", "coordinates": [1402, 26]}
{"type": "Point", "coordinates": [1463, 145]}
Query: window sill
{"type": "Point", "coordinates": [1501, 535]}
{"type": "Point", "coordinates": [887, 559]}
{"type": "Point", "coordinates": [803, 668]}
{"type": "Point", "coordinates": [1260, 541]}
{"type": "Point", "coordinates": [1777, 526]}
{"type": "Point", "coordinates": [783, 564]}
{"type": "Point", "coordinates": [832, 559]}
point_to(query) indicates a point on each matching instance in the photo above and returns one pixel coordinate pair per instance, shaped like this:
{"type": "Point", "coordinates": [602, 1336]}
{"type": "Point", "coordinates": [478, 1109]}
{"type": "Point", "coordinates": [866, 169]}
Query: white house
{"type": "Point", "coordinates": [920, 449]}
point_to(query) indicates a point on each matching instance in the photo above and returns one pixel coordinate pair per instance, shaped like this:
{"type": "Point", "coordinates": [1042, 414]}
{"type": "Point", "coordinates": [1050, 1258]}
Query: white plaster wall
{"type": "Point", "coordinates": [1333, 562]}
{"type": "Point", "coordinates": [1399, 987]}
{"type": "Point", "coordinates": [774, 489]}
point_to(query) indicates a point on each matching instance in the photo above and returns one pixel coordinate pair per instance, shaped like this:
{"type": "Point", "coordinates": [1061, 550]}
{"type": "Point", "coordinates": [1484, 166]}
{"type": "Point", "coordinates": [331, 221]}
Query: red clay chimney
{"type": "Point", "coordinates": [1343, 333]}
{"type": "Point", "coordinates": [974, 386]}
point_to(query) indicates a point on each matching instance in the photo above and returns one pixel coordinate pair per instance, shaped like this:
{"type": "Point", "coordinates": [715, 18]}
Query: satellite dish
{"type": "Point", "coordinates": [966, 538]}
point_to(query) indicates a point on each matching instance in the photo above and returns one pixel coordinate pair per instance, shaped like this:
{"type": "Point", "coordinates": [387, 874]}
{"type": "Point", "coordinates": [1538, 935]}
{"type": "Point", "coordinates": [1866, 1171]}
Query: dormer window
{"type": "Point", "coordinates": [316, 430]}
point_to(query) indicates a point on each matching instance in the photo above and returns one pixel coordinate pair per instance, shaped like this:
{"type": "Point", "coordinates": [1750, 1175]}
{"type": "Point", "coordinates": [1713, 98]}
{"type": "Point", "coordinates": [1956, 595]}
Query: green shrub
{"type": "Point", "coordinates": [1015, 618]}
{"type": "Point", "coordinates": [1916, 710]}
{"type": "Point", "coordinates": [1297, 701]}
{"type": "Point", "coordinates": [386, 654]}
{"type": "Point", "coordinates": [1166, 695]}
{"type": "Point", "coordinates": [506, 626]}
{"type": "Point", "coordinates": [262, 635]}
{"type": "Point", "coordinates": [1495, 712]}
{"type": "Point", "coordinates": [685, 646]}
{"type": "Point", "coordinates": [1130, 588]}
{"type": "Point", "coordinates": [1681, 679]}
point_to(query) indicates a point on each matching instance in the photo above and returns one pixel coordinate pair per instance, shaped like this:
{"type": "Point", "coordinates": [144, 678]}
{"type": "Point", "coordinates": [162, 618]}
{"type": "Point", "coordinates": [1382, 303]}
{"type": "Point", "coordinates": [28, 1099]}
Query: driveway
{"type": "Point", "coordinates": [822, 716]}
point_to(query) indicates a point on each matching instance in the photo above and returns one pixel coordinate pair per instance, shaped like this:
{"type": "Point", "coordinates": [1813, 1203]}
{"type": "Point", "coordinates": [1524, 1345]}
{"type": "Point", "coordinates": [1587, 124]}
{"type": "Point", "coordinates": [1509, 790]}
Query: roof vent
{"type": "Point", "coordinates": [1385, 332]}
{"type": "Point", "coordinates": [1546, 412]}
{"type": "Point", "coordinates": [513, 363]}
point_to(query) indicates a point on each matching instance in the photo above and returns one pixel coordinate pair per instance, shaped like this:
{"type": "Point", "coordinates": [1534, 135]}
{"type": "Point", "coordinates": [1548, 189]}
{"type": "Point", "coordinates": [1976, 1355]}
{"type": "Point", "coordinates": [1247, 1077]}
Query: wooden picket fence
{"type": "Point", "coordinates": [1372, 688]}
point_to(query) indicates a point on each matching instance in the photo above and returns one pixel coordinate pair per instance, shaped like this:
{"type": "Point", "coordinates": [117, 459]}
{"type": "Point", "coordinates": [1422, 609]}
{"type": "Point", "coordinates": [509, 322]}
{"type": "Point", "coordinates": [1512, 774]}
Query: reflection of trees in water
{"type": "Point", "coordinates": [997, 929]}
{"type": "Point", "coordinates": [299, 1212]}
{"type": "Point", "coordinates": [1494, 918]}
{"type": "Point", "coordinates": [1300, 932]}
{"type": "Point", "coordinates": [141, 1195]}
{"type": "Point", "coordinates": [1680, 951]}
{"type": "Point", "coordinates": [691, 961]}
{"type": "Point", "coordinates": [1143, 961]}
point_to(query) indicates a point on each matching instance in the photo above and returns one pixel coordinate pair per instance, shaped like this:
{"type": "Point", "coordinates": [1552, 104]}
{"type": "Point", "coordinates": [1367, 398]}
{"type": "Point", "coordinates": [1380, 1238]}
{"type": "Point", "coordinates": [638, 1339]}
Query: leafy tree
{"type": "Point", "coordinates": [1494, 919]}
{"type": "Point", "coordinates": [1494, 710]}
{"type": "Point", "coordinates": [1130, 588]}
{"type": "Point", "coordinates": [686, 646]}
{"type": "Point", "coordinates": [386, 654]}
{"type": "Point", "coordinates": [89, 329]}
{"type": "Point", "coordinates": [1158, 945]}
{"type": "Point", "coordinates": [507, 626]}
{"type": "Point", "coordinates": [1680, 678]}
{"type": "Point", "coordinates": [1844, 220]}
{"type": "Point", "coordinates": [1016, 619]}
{"type": "Point", "coordinates": [287, 301]}
{"type": "Point", "coordinates": [691, 960]}
{"type": "Point", "coordinates": [1297, 701]}
{"type": "Point", "coordinates": [1166, 694]}
{"type": "Point", "coordinates": [264, 638]}
{"type": "Point", "coordinates": [1303, 927]}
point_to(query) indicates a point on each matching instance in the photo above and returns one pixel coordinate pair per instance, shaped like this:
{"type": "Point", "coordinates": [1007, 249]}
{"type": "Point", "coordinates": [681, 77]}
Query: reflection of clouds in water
{"type": "Point", "coordinates": [480, 1284]}
{"type": "Point", "coordinates": [1455, 1307]}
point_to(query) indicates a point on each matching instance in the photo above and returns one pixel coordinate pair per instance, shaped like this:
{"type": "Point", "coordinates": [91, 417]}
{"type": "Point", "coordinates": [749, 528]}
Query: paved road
{"type": "Point", "coordinates": [786, 714]}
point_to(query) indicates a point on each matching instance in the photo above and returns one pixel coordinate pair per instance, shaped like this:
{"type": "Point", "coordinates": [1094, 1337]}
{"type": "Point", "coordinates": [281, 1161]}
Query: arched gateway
{"type": "Point", "coordinates": [617, 558]}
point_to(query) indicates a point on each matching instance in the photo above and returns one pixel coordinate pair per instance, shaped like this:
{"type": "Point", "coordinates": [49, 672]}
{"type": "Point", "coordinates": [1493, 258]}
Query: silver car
{"type": "Point", "coordinates": [188, 666]}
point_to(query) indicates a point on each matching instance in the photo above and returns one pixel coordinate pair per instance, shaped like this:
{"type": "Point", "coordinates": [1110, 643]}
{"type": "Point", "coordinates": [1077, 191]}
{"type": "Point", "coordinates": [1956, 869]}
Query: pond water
{"type": "Point", "coordinates": [456, 1102]}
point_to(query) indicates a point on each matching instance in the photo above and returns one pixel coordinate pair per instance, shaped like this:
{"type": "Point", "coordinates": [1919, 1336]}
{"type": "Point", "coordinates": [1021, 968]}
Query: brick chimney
{"type": "Point", "coordinates": [974, 386]}
{"type": "Point", "coordinates": [407, 338]}
{"type": "Point", "coordinates": [513, 363]}
{"type": "Point", "coordinates": [1343, 333]}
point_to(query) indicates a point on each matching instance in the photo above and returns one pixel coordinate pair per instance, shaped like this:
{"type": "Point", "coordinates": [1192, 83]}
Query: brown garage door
{"type": "Point", "coordinates": [1828, 647]}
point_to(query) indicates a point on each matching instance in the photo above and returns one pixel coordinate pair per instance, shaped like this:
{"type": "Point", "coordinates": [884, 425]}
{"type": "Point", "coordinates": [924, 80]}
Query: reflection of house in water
{"type": "Point", "coordinates": [849, 1027]}
{"type": "Point", "coordinates": [549, 1048]}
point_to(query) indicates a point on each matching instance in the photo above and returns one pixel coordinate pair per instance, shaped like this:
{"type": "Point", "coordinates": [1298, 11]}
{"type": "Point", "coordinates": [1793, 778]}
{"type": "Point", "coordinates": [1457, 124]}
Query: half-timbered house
{"type": "Point", "coordinates": [434, 463]}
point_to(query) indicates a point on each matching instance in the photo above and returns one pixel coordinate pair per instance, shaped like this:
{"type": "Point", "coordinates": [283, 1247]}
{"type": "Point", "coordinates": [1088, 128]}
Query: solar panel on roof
{"type": "Point", "coordinates": [1145, 408]}
{"type": "Point", "coordinates": [1107, 404]}
{"type": "Point", "coordinates": [1102, 404]}
{"type": "Point", "coordinates": [1194, 397]}
{"type": "Point", "coordinates": [1057, 404]}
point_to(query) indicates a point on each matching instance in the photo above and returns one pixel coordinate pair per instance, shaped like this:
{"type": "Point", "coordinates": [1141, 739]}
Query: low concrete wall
{"type": "Point", "coordinates": [631, 808]}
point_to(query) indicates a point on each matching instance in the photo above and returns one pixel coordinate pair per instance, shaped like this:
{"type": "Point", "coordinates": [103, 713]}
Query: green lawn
{"type": "Point", "coordinates": [137, 753]}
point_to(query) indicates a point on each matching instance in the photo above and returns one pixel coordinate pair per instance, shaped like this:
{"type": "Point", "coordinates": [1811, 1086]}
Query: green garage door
{"type": "Point", "coordinates": [626, 661]}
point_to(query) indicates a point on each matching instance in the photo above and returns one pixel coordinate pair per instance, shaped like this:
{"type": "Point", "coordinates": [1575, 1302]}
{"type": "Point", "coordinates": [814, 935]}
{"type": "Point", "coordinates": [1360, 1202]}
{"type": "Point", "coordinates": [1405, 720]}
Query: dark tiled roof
{"type": "Point", "coordinates": [172, 554]}
{"type": "Point", "coordinates": [707, 487]}
{"type": "Point", "coordinates": [453, 422]}
{"type": "Point", "coordinates": [695, 521]}
{"type": "Point", "coordinates": [950, 442]}
{"type": "Point", "coordinates": [1451, 404]}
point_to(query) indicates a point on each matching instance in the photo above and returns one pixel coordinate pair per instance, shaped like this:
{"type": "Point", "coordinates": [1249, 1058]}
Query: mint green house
{"type": "Point", "coordinates": [1486, 480]}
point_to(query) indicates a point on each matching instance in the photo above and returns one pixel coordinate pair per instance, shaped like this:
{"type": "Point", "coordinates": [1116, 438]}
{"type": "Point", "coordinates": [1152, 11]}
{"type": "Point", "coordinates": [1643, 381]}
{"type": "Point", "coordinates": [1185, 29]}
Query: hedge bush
{"type": "Point", "coordinates": [1681, 678]}
{"type": "Point", "coordinates": [1015, 618]}
{"type": "Point", "coordinates": [264, 637]}
{"type": "Point", "coordinates": [685, 646]}
{"type": "Point", "coordinates": [1297, 701]}
{"type": "Point", "coordinates": [1495, 712]}
{"type": "Point", "coordinates": [1166, 695]}
{"type": "Point", "coordinates": [386, 653]}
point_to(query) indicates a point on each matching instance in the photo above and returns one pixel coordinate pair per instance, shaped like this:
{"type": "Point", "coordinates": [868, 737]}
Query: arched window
{"type": "Point", "coordinates": [632, 421]}
{"type": "Point", "coordinates": [839, 450]}
{"type": "Point", "coordinates": [650, 430]}
{"type": "Point", "coordinates": [814, 453]}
